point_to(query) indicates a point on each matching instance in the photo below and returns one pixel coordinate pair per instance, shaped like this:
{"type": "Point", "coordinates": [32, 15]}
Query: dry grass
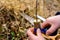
{"type": "Point", "coordinates": [12, 23]}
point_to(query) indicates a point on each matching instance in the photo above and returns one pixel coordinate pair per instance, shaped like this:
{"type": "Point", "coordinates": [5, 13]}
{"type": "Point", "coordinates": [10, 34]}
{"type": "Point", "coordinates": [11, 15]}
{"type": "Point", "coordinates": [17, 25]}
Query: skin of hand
{"type": "Point", "coordinates": [54, 21]}
{"type": "Point", "coordinates": [31, 35]}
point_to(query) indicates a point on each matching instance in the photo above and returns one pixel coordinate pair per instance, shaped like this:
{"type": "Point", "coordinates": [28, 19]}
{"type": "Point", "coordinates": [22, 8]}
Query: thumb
{"type": "Point", "coordinates": [39, 33]}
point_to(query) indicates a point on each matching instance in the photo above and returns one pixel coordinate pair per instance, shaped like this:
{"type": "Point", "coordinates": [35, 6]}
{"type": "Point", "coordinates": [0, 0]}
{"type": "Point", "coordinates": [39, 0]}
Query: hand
{"type": "Point", "coordinates": [34, 37]}
{"type": "Point", "coordinates": [54, 22]}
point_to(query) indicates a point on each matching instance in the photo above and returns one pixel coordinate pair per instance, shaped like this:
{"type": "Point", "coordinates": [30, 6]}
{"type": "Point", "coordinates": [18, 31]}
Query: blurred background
{"type": "Point", "coordinates": [13, 26]}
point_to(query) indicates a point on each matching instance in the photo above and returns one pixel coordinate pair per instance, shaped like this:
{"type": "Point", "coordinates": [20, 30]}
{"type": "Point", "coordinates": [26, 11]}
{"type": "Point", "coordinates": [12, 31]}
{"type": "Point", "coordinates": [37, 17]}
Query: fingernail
{"type": "Point", "coordinates": [38, 29]}
{"type": "Point", "coordinates": [47, 33]}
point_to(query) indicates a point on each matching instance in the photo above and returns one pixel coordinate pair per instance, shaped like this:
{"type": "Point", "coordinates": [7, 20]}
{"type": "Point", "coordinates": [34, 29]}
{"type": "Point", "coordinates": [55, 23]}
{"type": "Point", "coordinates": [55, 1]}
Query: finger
{"type": "Point", "coordinates": [52, 29]}
{"type": "Point", "coordinates": [45, 24]}
{"type": "Point", "coordinates": [39, 34]}
{"type": "Point", "coordinates": [30, 33]}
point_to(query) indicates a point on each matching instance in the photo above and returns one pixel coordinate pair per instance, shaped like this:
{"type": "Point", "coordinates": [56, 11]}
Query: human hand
{"type": "Point", "coordinates": [31, 35]}
{"type": "Point", "coordinates": [54, 22]}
